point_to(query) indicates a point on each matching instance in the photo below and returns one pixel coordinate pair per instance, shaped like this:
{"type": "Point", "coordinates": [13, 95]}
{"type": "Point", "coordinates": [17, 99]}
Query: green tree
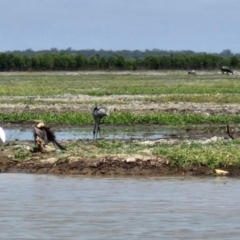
{"type": "Point", "coordinates": [120, 62]}
{"type": "Point", "coordinates": [3, 62]}
{"type": "Point", "coordinates": [81, 61]}
{"type": "Point", "coordinates": [36, 62]}
{"type": "Point", "coordinates": [111, 61]}
{"type": "Point", "coordinates": [234, 61]}
{"type": "Point", "coordinates": [19, 62]}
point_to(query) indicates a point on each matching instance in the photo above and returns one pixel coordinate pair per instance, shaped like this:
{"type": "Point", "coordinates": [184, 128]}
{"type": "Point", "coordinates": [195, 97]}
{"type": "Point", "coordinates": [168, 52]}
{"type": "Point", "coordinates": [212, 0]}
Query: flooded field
{"type": "Point", "coordinates": [138, 132]}
{"type": "Point", "coordinates": [85, 132]}
{"type": "Point", "coordinates": [65, 207]}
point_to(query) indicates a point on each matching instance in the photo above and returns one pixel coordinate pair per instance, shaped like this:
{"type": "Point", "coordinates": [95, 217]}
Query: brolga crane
{"type": "Point", "coordinates": [44, 133]}
{"type": "Point", "coordinates": [98, 113]}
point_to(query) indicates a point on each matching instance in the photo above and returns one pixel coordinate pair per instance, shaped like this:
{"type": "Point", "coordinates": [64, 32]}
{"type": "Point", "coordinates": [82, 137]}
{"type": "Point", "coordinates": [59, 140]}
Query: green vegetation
{"type": "Point", "coordinates": [215, 155]}
{"type": "Point", "coordinates": [125, 118]}
{"type": "Point", "coordinates": [178, 84]}
{"type": "Point", "coordinates": [220, 154]}
{"type": "Point", "coordinates": [135, 54]}
{"type": "Point", "coordinates": [137, 89]}
{"type": "Point", "coordinates": [63, 61]}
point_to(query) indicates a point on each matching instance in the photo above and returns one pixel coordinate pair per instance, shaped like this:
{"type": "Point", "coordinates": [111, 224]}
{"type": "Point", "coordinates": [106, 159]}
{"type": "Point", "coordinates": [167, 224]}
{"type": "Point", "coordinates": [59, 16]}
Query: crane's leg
{"type": "Point", "coordinates": [35, 137]}
{"type": "Point", "coordinates": [98, 128]}
{"type": "Point", "coordinates": [94, 130]}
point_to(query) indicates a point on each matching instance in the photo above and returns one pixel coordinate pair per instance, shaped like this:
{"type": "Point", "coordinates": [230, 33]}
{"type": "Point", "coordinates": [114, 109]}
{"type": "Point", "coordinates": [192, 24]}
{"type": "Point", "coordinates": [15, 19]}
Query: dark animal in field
{"type": "Point", "coordinates": [44, 133]}
{"type": "Point", "coordinates": [192, 72]}
{"type": "Point", "coordinates": [98, 113]}
{"type": "Point", "coordinates": [226, 69]}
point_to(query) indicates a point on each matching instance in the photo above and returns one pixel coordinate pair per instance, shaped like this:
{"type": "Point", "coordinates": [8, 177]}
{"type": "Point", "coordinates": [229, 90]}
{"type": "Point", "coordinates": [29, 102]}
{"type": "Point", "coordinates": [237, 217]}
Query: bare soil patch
{"type": "Point", "coordinates": [102, 166]}
{"type": "Point", "coordinates": [105, 166]}
{"type": "Point", "coordinates": [132, 103]}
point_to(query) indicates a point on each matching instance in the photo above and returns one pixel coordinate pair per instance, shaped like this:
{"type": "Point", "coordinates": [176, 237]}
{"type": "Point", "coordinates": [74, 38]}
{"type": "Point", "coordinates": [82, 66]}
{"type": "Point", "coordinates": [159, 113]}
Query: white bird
{"type": "Point", "coordinates": [98, 113]}
{"type": "Point", "coordinates": [2, 135]}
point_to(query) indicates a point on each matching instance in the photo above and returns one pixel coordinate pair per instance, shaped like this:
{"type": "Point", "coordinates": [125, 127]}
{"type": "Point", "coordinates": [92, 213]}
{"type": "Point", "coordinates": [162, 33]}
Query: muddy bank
{"type": "Point", "coordinates": [84, 157]}
{"type": "Point", "coordinates": [17, 157]}
{"type": "Point", "coordinates": [108, 166]}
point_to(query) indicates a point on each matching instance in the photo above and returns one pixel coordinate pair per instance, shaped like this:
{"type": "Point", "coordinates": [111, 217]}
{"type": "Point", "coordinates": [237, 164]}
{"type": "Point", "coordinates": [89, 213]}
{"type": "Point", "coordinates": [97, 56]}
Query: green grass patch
{"type": "Point", "coordinates": [123, 118]}
{"type": "Point", "coordinates": [107, 84]}
{"type": "Point", "coordinates": [212, 155]}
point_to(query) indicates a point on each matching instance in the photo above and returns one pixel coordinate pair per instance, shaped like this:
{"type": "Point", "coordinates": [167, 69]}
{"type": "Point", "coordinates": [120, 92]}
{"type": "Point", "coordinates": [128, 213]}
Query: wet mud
{"type": "Point", "coordinates": [107, 166]}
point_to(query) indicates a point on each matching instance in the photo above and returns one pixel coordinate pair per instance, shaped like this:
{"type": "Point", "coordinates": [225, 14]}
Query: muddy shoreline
{"type": "Point", "coordinates": [108, 166]}
{"type": "Point", "coordinates": [143, 164]}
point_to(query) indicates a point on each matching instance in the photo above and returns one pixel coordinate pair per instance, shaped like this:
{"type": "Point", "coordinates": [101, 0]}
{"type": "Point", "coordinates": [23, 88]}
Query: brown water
{"type": "Point", "coordinates": [65, 207]}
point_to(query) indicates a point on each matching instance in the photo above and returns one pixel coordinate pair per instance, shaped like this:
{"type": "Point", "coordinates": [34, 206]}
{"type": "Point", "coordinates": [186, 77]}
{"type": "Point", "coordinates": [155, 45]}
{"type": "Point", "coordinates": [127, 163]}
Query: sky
{"type": "Point", "coordinates": [198, 25]}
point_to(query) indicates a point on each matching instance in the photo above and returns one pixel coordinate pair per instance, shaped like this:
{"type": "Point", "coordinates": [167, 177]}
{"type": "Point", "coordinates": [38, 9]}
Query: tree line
{"type": "Point", "coordinates": [126, 53]}
{"type": "Point", "coordinates": [73, 62]}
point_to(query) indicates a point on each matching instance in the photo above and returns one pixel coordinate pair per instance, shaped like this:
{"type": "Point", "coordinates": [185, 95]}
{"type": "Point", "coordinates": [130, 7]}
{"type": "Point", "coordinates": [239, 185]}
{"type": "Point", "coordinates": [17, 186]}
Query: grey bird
{"type": "Point", "coordinates": [46, 135]}
{"type": "Point", "coordinates": [98, 113]}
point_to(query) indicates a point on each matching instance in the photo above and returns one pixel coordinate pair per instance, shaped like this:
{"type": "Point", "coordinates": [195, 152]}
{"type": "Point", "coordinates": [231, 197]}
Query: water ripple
{"type": "Point", "coordinates": [65, 207]}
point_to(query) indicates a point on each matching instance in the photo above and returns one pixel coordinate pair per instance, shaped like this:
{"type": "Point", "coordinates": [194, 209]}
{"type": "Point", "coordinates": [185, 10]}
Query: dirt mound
{"type": "Point", "coordinates": [107, 166]}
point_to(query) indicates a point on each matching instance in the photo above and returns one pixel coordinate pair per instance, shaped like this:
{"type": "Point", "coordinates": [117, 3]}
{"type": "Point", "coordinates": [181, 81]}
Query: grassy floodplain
{"type": "Point", "coordinates": [211, 84]}
{"type": "Point", "coordinates": [134, 98]}
{"type": "Point", "coordinates": [143, 87]}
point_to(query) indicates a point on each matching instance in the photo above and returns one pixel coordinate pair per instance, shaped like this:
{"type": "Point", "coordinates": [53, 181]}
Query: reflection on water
{"type": "Point", "coordinates": [64, 207]}
{"type": "Point", "coordinates": [75, 133]}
